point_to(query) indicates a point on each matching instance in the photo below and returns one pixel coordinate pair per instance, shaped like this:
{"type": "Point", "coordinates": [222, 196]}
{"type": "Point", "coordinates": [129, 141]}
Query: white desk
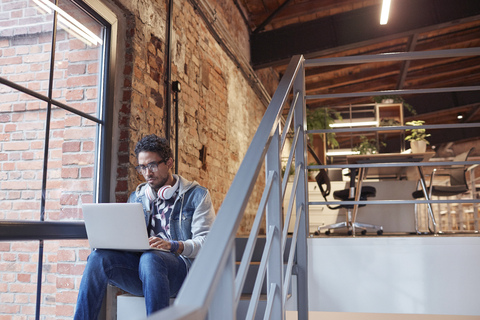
{"type": "Point", "coordinates": [393, 158]}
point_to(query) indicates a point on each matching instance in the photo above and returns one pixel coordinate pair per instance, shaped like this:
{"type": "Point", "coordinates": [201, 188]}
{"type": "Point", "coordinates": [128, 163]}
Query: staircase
{"type": "Point", "coordinates": [240, 244]}
{"type": "Point", "coordinates": [129, 307]}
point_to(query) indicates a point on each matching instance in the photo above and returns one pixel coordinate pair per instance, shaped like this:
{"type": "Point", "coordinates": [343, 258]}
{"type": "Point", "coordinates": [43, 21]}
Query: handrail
{"type": "Point", "coordinates": [212, 266]}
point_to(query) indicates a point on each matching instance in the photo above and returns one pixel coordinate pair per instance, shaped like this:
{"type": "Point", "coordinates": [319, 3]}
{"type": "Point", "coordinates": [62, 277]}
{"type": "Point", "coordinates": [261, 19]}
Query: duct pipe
{"type": "Point", "coordinates": [168, 71]}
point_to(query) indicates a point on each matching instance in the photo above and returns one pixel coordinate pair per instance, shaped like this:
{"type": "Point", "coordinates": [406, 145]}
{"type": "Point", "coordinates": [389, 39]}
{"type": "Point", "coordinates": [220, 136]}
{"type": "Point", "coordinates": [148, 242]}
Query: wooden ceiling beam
{"type": "Point", "coordinates": [319, 8]}
{"type": "Point", "coordinates": [352, 28]}
{"type": "Point", "coordinates": [406, 64]}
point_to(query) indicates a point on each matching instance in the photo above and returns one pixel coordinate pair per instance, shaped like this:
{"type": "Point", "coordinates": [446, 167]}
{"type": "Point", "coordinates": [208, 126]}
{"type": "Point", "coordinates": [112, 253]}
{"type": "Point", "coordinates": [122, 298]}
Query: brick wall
{"type": "Point", "coordinates": [219, 113]}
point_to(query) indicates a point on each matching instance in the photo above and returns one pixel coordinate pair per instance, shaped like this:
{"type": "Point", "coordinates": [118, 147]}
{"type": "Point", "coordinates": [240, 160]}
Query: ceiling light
{"type": "Point", "coordinates": [385, 11]}
{"type": "Point", "coordinates": [460, 116]}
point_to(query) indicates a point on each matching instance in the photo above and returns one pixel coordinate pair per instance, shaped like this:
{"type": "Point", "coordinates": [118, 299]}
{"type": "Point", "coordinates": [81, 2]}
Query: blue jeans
{"type": "Point", "coordinates": [156, 275]}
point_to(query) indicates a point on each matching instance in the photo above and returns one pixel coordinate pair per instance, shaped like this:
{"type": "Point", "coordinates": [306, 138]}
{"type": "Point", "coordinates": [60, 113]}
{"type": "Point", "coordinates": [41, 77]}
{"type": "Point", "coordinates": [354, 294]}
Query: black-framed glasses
{"type": "Point", "coordinates": [152, 166]}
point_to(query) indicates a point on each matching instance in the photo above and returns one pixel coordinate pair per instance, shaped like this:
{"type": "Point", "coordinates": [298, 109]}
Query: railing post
{"type": "Point", "coordinates": [222, 306]}
{"type": "Point", "coordinates": [274, 218]}
{"type": "Point", "coordinates": [302, 196]}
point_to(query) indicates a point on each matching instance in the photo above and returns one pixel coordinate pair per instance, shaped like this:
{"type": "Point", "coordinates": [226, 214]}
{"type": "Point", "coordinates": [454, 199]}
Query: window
{"type": "Point", "coordinates": [53, 88]}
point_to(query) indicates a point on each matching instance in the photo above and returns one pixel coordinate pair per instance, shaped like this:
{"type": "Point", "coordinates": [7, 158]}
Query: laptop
{"type": "Point", "coordinates": [118, 226]}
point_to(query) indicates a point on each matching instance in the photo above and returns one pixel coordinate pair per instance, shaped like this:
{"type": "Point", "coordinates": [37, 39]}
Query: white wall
{"type": "Point", "coordinates": [409, 275]}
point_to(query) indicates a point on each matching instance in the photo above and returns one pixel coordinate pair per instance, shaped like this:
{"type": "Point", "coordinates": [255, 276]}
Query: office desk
{"type": "Point", "coordinates": [398, 171]}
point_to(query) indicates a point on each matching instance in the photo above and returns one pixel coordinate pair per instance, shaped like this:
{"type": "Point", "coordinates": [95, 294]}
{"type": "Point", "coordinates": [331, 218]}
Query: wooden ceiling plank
{"type": "Point", "coordinates": [359, 27]}
{"type": "Point", "coordinates": [321, 9]}
{"type": "Point", "coordinates": [272, 15]}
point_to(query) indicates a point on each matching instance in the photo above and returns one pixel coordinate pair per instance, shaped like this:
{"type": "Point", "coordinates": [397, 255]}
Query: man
{"type": "Point", "coordinates": [178, 213]}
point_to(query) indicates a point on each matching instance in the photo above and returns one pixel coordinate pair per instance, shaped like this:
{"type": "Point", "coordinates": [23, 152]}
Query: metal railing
{"type": "Point", "coordinates": [399, 56]}
{"type": "Point", "coordinates": [213, 287]}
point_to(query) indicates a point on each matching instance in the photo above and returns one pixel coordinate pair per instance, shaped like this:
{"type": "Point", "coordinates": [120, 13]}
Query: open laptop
{"type": "Point", "coordinates": [119, 226]}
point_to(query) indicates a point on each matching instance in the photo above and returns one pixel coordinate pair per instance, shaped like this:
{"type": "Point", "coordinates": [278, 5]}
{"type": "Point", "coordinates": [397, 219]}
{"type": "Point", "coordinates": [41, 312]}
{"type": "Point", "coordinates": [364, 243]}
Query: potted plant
{"type": "Point", "coordinates": [417, 137]}
{"type": "Point", "coordinates": [367, 146]}
{"type": "Point", "coordinates": [321, 118]}
{"type": "Point", "coordinates": [395, 99]}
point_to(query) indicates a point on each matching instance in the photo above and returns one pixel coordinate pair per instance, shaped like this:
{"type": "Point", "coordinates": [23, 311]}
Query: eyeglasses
{"type": "Point", "coordinates": [152, 166]}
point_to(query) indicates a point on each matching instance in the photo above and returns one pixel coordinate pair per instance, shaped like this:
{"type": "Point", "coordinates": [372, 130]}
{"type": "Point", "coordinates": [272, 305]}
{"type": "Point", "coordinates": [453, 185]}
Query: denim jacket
{"type": "Point", "coordinates": [191, 217]}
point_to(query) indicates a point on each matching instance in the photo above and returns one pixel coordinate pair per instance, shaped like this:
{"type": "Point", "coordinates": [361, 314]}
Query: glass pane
{"type": "Point", "coordinates": [25, 49]}
{"type": "Point", "coordinates": [78, 59]}
{"type": "Point", "coordinates": [18, 274]}
{"type": "Point", "coordinates": [25, 44]}
{"type": "Point", "coordinates": [22, 131]}
{"type": "Point", "coordinates": [63, 265]}
{"type": "Point", "coordinates": [71, 165]}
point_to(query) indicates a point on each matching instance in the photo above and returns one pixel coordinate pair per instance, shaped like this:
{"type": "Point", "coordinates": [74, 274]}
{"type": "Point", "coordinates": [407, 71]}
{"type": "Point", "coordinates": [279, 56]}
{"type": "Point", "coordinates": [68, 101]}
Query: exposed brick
{"type": "Point", "coordinates": [4, 246]}
{"type": "Point", "coordinates": [74, 69]}
{"type": "Point", "coordinates": [64, 310]}
{"type": "Point", "coordinates": [24, 277]}
{"type": "Point", "coordinates": [69, 199]}
{"type": "Point", "coordinates": [73, 95]}
{"type": "Point", "coordinates": [82, 81]}
{"type": "Point", "coordinates": [71, 146]}
{"type": "Point", "coordinates": [66, 255]}
{"type": "Point", "coordinates": [65, 283]}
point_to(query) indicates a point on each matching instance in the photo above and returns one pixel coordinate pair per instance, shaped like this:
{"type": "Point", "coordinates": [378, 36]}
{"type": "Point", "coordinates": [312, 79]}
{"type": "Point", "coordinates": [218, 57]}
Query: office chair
{"type": "Point", "coordinates": [458, 184]}
{"type": "Point", "coordinates": [323, 182]}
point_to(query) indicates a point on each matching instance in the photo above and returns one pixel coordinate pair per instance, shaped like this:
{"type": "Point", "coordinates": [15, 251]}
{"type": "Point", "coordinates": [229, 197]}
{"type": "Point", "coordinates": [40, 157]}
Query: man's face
{"type": "Point", "coordinates": [162, 175]}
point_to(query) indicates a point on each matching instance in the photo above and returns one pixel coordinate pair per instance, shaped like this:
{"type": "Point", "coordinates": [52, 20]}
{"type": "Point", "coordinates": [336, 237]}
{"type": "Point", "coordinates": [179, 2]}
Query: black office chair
{"type": "Point", "coordinates": [458, 183]}
{"type": "Point", "coordinates": [323, 182]}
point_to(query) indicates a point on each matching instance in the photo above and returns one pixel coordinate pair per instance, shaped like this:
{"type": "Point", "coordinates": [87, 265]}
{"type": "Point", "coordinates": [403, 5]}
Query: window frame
{"type": "Point", "coordinates": [24, 230]}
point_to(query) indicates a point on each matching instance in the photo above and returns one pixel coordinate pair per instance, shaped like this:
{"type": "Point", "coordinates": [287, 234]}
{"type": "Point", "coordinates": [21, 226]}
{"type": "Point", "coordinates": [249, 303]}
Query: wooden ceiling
{"type": "Point", "coordinates": [338, 28]}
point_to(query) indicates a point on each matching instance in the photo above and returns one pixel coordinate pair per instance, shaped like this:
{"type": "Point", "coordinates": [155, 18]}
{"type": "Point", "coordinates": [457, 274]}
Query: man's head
{"type": "Point", "coordinates": [154, 143]}
{"type": "Point", "coordinates": [155, 159]}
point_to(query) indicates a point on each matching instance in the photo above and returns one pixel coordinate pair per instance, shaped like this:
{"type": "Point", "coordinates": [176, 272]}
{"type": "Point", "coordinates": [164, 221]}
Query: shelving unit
{"type": "Point", "coordinates": [367, 116]}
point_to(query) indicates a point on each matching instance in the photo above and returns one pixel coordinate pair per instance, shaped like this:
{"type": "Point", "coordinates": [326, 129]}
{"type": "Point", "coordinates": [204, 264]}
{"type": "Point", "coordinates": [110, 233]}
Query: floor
{"type": "Point", "coordinates": [292, 315]}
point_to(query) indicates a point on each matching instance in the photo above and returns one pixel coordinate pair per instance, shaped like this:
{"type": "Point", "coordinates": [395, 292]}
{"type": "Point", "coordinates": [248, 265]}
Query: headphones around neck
{"type": "Point", "coordinates": [166, 192]}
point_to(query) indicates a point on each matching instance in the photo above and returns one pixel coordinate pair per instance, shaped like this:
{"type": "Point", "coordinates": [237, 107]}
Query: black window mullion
{"type": "Point", "coordinates": [45, 163]}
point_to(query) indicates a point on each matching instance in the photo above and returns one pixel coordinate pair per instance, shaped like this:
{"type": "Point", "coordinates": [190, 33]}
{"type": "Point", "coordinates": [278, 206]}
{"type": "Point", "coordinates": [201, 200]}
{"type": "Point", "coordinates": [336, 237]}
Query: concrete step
{"type": "Point", "coordinates": [130, 307]}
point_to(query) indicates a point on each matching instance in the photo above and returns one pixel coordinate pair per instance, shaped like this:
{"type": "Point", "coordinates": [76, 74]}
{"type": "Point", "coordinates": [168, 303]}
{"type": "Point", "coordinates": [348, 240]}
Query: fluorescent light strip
{"type": "Point", "coordinates": [43, 7]}
{"type": "Point", "coordinates": [353, 124]}
{"type": "Point", "coordinates": [76, 32]}
{"type": "Point", "coordinates": [341, 153]}
{"type": "Point", "coordinates": [70, 22]}
{"type": "Point", "coordinates": [385, 12]}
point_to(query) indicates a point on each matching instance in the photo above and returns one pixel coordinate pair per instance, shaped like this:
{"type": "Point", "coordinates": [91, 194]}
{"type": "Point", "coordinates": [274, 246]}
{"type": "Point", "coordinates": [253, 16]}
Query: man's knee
{"type": "Point", "coordinates": [100, 259]}
{"type": "Point", "coordinates": [152, 262]}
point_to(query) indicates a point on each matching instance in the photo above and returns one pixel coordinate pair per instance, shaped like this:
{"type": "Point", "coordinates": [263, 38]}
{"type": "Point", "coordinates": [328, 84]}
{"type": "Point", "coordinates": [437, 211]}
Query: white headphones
{"type": "Point", "coordinates": [166, 192]}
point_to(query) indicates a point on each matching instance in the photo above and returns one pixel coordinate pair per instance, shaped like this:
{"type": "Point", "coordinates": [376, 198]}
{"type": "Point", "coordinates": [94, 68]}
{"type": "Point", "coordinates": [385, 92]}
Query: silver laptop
{"type": "Point", "coordinates": [119, 226]}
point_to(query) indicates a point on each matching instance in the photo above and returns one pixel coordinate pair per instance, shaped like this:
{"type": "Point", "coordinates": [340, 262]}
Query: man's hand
{"type": "Point", "coordinates": [159, 243]}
